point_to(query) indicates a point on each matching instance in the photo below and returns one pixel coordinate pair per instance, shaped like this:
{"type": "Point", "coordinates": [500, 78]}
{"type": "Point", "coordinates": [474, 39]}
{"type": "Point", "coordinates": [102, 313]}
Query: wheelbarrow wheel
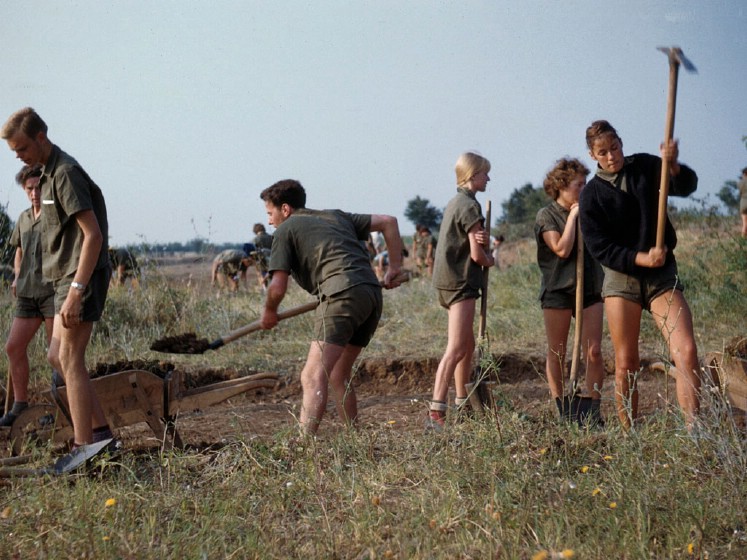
{"type": "Point", "coordinates": [36, 425]}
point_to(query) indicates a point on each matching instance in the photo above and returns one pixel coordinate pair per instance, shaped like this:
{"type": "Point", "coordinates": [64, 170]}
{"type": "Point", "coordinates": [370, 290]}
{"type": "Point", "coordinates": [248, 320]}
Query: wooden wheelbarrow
{"type": "Point", "coordinates": [130, 397]}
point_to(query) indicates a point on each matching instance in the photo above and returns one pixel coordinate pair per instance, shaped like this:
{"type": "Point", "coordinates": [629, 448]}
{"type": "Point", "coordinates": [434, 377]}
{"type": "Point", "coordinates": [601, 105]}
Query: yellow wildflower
{"type": "Point", "coordinates": [596, 491]}
{"type": "Point", "coordinates": [585, 469]}
{"type": "Point", "coordinates": [613, 505]}
{"type": "Point", "coordinates": [543, 450]}
{"type": "Point", "coordinates": [110, 502]}
{"type": "Point", "coordinates": [541, 555]}
{"type": "Point", "coordinates": [690, 548]}
{"type": "Point", "coordinates": [390, 422]}
{"type": "Point", "coordinates": [607, 457]}
{"type": "Point", "coordinates": [567, 553]}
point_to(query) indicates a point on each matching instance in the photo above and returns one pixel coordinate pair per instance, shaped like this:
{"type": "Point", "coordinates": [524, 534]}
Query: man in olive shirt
{"type": "Point", "coordinates": [322, 249]}
{"type": "Point", "coordinates": [74, 259]}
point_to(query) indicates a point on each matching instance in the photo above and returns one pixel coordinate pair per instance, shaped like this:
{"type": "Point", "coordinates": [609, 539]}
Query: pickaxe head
{"type": "Point", "coordinates": [677, 57]}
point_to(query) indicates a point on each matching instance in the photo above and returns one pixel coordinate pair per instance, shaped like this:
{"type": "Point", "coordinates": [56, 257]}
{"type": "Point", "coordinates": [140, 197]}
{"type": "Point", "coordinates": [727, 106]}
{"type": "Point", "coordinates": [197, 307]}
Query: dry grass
{"type": "Point", "coordinates": [533, 489]}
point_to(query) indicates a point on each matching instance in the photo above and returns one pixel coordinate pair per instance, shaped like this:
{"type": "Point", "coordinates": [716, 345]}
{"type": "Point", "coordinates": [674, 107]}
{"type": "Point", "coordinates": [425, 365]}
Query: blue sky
{"type": "Point", "coordinates": [184, 111]}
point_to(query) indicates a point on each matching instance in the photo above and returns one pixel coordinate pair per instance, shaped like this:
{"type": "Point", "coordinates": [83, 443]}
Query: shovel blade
{"type": "Point", "coordinates": [80, 456]}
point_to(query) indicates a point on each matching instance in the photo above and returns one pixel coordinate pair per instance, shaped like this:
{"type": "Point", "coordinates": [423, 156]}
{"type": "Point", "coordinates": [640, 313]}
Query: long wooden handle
{"type": "Point", "coordinates": [576, 356]}
{"type": "Point", "coordinates": [668, 134]}
{"type": "Point", "coordinates": [256, 325]}
{"type": "Point", "coordinates": [485, 279]}
{"type": "Point", "coordinates": [292, 312]}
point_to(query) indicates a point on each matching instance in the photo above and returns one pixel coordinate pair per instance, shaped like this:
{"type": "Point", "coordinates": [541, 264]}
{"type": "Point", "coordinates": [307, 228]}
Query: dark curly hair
{"type": "Point", "coordinates": [561, 175]}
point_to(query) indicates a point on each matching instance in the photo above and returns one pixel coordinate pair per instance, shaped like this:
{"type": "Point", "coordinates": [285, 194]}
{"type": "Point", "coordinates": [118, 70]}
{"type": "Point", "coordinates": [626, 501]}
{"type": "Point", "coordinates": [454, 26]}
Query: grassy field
{"type": "Point", "coordinates": [512, 486]}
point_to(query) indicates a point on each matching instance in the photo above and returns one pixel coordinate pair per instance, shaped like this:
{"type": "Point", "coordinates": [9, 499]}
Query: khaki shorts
{"type": "Point", "coordinates": [35, 307]}
{"type": "Point", "coordinates": [447, 298]}
{"type": "Point", "coordinates": [643, 288]}
{"type": "Point", "coordinates": [350, 317]}
{"type": "Point", "coordinates": [94, 296]}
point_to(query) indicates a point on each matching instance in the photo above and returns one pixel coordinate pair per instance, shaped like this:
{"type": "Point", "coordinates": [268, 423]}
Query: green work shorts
{"type": "Point", "coordinates": [642, 288]}
{"type": "Point", "coordinates": [566, 300]}
{"type": "Point", "coordinates": [447, 298]}
{"type": "Point", "coordinates": [349, 317]}
{"type": "Point", "coordinates": [94, 296]}
{"type": "Point", "coordinates": [35, 307]}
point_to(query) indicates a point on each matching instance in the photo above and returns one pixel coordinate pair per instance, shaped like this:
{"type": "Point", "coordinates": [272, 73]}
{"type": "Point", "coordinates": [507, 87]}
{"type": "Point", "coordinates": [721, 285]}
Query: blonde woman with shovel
{"type": "Point", "coordinates": [555, 231]}
{"type": "Point", "coordinates": [457, 277]}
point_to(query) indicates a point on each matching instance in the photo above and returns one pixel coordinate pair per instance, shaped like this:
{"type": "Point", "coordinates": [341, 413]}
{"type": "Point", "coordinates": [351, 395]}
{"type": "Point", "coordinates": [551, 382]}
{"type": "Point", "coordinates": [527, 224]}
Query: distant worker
{"type": "Point", "coordinates": [263, 248]}
{"type": "Point", "coordinates": [496, 249]}
{"type": "Point", "coordinates": [124, 265]}
{"type": "Point", "coordinates": [34, 296]}
{"type": "Point", "coordinates": [743, 201]}
{"type": "Point", "coordinates": [228, 267]}
{"type": "Point", "coordinates": [425, 250]}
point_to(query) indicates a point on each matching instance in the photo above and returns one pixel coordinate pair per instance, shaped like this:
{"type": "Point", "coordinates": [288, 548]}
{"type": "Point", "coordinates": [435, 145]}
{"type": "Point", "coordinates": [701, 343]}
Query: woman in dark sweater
{"type": "Point", "coordinates": [618, 209]}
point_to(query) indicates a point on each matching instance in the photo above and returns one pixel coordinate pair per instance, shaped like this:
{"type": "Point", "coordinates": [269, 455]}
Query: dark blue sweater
{"type": "Point", "coordinates": [616, 224]}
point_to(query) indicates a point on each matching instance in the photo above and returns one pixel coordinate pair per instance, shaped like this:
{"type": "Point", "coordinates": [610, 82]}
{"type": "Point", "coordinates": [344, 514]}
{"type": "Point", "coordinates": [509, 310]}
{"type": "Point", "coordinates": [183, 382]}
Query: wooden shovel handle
{"type": "Point", "coordinates": [668, 134]}
{"type": "Point", "coordinates": [576, 356]}
{"type": "Point", "coordinates": [292, 312]}
{"type": "Point", "coordinates": [485, 279]}
{"type": "Point", "coordinates": [256, 325]}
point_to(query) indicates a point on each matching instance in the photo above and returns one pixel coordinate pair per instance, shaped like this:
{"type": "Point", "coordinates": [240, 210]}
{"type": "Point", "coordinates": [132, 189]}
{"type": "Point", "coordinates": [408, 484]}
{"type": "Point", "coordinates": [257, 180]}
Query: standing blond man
{"type": "Point", "coordinates": [74, 259]}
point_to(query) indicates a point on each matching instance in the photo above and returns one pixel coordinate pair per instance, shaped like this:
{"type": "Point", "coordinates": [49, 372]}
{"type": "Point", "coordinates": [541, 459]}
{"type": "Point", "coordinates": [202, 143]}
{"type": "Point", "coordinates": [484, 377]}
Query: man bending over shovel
{"type": "Point", "coordinates": [323, 250]}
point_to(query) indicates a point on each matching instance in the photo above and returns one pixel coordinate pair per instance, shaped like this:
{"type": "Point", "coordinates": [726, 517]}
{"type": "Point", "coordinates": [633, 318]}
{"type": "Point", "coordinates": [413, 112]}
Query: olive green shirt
{"type": "Point", "coordinates": [558, 274]}
{"type": "Point", "coordinates": [453, 267]}
{"type": "Point", "coordinates": [322, 250]}
{"type": "Point", "coordinates": [66, 190]}
{"type": "Point", "coordinates": [27, 235]}
{"type": "Point", "coordinates": [263, 241]}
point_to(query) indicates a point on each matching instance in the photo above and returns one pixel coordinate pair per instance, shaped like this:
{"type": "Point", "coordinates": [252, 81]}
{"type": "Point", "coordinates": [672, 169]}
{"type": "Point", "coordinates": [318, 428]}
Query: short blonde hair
{"type": "Point", "coordinates": [563, 172]}
{"type": "Point", "coordinates": [468, 165]}
{"type": "Point", "coordinates": [24, 120]}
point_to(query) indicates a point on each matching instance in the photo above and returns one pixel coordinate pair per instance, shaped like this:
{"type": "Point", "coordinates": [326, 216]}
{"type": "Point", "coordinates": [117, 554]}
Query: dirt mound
{"type": "Point", "coordinates": [159, 368]}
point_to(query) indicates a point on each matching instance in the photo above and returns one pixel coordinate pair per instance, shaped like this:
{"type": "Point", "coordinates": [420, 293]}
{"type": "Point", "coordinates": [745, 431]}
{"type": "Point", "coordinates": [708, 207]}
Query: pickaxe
{"type": "Point", "coordinates": [676, 57]}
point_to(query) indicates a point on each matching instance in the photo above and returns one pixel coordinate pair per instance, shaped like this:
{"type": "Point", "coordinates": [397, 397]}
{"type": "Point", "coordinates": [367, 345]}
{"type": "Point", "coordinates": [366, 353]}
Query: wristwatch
{"type": "Point", "coordinates": [78, 286]}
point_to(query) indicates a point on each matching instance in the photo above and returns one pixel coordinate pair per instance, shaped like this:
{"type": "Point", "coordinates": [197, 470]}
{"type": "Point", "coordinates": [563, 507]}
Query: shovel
{"type": "Point", "coordinates": [64, 465]}
{"type": "Point", "coordinates": [190, 344]}
{"type": "Point", "coordinates": [575, 407]}
{"type": "Point", "coordinates": [478, 392]}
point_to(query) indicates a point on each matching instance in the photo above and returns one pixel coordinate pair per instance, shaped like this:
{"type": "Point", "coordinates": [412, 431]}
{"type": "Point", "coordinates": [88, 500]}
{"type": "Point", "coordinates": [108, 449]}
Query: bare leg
{"type": "Point", "coordinates": [339, 383]}
{"type": "Point", "coordinates": [557, 325]}
{"type": "Point", "coordinates": [744, 225]}
{"type": "Point", "coordinates": [673, 317]}
{"type": "Point", "coordinates": [591, 336]}
{"type": "Point", "coordinates": [22, 331]}
{"type": "Point", "coordinates": [315, 377]}
{"type": "Point", "coordinates": [459, 349]}
{"type": "Point", "coordinates": [67, 352]}
{"type": "Point", "coordinates": [624, 321]}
